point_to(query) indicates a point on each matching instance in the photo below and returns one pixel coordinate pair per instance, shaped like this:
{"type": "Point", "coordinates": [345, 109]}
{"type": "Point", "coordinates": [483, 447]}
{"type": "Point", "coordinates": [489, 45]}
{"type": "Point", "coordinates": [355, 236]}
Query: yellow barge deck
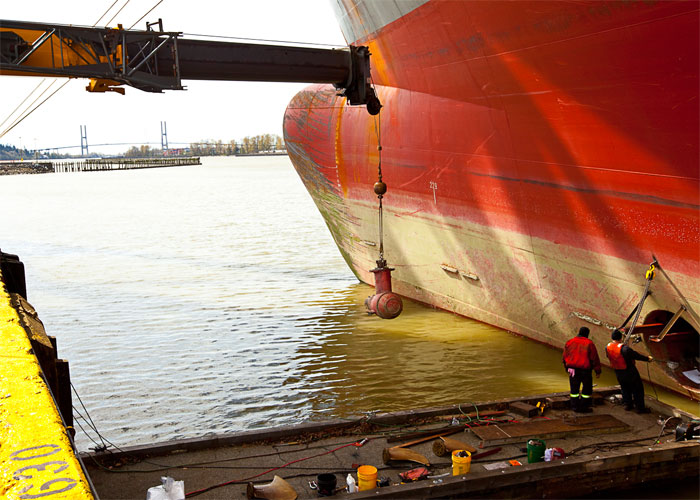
{"type": "Point", "coordinates": [37, 456]}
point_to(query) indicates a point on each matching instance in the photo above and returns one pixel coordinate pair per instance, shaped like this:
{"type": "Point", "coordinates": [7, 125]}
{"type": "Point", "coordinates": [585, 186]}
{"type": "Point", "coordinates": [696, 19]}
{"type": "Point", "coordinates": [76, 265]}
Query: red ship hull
{"type": "Point", "coordinates": [537, 155]}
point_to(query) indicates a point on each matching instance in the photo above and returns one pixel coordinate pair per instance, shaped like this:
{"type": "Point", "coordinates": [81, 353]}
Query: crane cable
{"type": "Point", "coordinates": [22, 118]}
{"type": "Point", "coordinates": [25, 100]}
{"type": "Point", "coordinates": [105, 13]}
{"type": "Point", "coordinates": [22, 115]}
{"type": "Point", "coordinates": [380, 186]}
{"type": "Point", "coordinates": [118, 12]}
{"type": "Point", "coordinates": [151, 10]}
{"type": "Point", "coordinates": [25, 113]}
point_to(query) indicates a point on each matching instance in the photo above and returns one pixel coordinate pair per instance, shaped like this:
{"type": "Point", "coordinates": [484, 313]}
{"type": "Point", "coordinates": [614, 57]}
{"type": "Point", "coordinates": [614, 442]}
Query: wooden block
{"type": "Point", "coordinates": [558, 402]}
{"type": "Point", "coordinates": [524, 409]}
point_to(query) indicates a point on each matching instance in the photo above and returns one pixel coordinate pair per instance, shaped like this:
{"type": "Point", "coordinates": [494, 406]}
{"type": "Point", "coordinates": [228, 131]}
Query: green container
{"type": "Point", "coordinates": [535, 450]}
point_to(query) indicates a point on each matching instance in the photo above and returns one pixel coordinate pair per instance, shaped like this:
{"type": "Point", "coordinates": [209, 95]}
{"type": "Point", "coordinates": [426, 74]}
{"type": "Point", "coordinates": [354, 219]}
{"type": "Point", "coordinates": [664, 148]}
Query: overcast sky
{"type": "Point", "coordinates": [206, 110]}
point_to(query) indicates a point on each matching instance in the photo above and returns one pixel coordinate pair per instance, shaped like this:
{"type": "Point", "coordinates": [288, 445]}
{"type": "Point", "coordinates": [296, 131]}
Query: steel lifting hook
{"type": "Point", "coordinates": [649, 275]}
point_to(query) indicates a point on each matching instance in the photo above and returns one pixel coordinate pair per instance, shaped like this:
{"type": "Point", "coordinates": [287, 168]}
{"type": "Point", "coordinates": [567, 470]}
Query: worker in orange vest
{"type": "Point", "coordinates": [580, 360]}
{"type": "Point", "coordinates": [622, 359]}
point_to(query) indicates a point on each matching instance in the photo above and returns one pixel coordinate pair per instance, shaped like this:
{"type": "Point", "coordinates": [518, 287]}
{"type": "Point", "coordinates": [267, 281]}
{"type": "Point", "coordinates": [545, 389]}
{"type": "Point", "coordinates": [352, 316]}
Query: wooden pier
{"type": "Point", "coordinates": [99, 164]}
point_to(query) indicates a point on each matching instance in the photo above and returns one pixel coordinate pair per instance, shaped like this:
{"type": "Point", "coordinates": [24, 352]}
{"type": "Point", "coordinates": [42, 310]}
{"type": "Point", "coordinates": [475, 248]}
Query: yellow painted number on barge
{"type": "Point", "coordinates": [38, 454]}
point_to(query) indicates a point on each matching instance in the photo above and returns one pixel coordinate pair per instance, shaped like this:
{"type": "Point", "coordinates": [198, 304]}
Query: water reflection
{"type": "Point", "coordinates": [425, 357]}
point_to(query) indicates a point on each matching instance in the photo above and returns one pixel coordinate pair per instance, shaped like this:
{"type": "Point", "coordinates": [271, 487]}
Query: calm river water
{"type": "Point", "coordinates": [197, 300]}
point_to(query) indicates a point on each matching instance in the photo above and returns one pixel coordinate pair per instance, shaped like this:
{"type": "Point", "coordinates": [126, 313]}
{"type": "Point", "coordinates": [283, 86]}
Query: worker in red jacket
{"type": "Point", "coordinates": [580, 360]}
{"type": "Point", "coordinates": [622, 359]}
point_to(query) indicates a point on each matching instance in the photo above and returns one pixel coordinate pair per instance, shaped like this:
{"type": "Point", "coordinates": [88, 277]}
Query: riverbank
{"type": "Point", "coordinates": [276, 153]}
{"type": "Point", "coordinates": [25, 167]}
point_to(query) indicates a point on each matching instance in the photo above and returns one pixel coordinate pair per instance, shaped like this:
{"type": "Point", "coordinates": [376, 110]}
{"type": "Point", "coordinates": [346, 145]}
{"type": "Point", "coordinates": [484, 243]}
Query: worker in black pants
{"type": "Point", "coordinates": [622, 359]}
{"type": "Point", "coordinates": [580, 359]}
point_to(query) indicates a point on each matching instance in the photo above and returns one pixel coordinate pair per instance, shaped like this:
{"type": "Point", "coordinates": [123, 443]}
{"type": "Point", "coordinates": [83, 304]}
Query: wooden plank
{"type": "Point", "coordinates": [558, 402]}
{"type": "Point", "coordinates": [444, 428]}
{"type": "Point", "coordinates": [431, 437]}
{"type": "Point", "coordinates": [429, 434]}
{"type": "Point", "coordinates": [524, 409]}
{"type": "Point", "coordinates": [548, 428]}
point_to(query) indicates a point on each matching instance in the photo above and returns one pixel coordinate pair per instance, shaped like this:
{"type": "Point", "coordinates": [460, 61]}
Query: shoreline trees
{"type": "Point", "coordinates": [263, 143]}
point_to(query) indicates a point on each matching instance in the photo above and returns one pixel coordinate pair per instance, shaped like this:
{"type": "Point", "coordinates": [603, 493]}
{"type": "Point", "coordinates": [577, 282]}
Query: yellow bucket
{"type": "Point", "coordinates": [461, 464]}
{"type": "Point", "coordinates": [367, 477]}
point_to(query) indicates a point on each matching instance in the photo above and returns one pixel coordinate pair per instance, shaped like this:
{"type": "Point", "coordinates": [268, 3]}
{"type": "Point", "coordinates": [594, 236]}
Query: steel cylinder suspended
{"type": "Point", "coordinates": [384, 303]}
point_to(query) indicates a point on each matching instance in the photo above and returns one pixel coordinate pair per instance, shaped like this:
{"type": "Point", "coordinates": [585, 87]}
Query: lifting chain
{"type": "Point", "coordinates": [380, 190]}
{"type": "Point", "coordinates": [384, 303]}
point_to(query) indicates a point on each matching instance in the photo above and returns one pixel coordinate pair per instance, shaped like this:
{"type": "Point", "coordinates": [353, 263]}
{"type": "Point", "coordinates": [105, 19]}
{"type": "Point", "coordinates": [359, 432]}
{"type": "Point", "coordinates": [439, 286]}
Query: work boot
{"type": "Point", "coordinates": [629, 407]}
{"type": "Point", "coordinates": [574, 403]}
{"type": "Point", "coordinates": [585, 406]}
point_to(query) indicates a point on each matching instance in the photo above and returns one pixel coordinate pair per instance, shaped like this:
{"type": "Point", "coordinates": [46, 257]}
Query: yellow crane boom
{"type": "Point", "coordinates": [154, 61]}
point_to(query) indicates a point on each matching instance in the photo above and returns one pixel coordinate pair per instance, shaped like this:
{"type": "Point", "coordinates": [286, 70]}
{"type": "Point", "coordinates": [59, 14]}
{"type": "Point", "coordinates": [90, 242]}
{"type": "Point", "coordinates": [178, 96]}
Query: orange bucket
{"type": "Point", "coordinates": [461, 462]}
{"type": "Point", "coordinates": [367, 477]}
